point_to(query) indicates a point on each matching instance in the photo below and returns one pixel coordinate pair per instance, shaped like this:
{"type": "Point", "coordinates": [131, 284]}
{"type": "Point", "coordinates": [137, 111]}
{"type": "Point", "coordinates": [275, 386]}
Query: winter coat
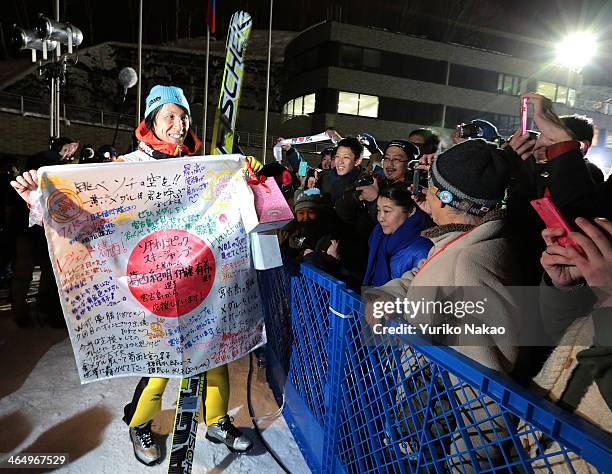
{"type": "Point", "coordinates": [463, 256]}
{"type": "Point", "coordinates": [578, 373]}
{"type": "Point", "coordinates": [569, 180]}
{"type": "Point", "coordinates": [467, 256]}
{"type": "Point", "coordinates": [335, 185]}
{"type": "Point", "coordinates": [391, 256]}
{"type": "Point", "coordinates": [552, 382]}
{"type": "Point", "coordinates": [152, 148]}
{"type": "Point", "coordinates": [354, 223]}
{"type": "Point", "coordinates": [571, 185]}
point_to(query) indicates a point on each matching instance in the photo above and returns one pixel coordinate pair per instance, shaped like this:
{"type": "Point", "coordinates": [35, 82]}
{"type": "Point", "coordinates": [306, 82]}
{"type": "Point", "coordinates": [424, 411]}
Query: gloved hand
{"type": "Point", "coordinates": [369, 142]}
{"type": "Point", "coordinates": [255, 163]}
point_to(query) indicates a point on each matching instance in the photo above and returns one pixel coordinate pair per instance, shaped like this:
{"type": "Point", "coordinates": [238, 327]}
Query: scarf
{"type": "Point", "coordinates": [159, 150]}
{"type": "Point", "coordinates": [383, 247]}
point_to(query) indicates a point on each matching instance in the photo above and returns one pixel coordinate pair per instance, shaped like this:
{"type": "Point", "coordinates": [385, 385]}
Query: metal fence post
{"type": "Point", "coordinates": [340, 316]}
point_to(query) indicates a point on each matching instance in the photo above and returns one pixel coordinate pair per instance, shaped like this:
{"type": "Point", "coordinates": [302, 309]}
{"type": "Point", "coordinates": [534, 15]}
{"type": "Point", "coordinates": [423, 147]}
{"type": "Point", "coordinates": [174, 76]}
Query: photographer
{"type": "Point", "coordinates": [312, 221]}
{"type": "Point", "coordinates": [561, 169]}
{"type": "Point", "coordinates": [397, 156]}
{"type": "Point", "coordinates": [477, 128]}
{"type": "Point", "coordinates": [341, 185]}
{"type": "Point", "coordinates": [61, 151]}
{"type": "Point", "coordinates": [426, 140]}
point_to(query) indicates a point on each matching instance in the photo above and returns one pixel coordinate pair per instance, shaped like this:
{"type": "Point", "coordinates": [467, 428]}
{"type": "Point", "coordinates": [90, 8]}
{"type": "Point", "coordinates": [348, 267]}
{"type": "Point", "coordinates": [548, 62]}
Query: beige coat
{"type": "Point", "coordinates": [551, 382]}
{"type": "Point", "coordinates": [467, 256]}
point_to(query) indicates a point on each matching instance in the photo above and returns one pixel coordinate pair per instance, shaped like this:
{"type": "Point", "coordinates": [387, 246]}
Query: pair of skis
{"type": "Point", "coordinates": [192, 388]}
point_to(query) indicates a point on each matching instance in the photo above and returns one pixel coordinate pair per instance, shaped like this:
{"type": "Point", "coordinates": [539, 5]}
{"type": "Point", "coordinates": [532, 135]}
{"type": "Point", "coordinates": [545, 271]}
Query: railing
{"type": "Point", "coordinates": [99, 117]}
{"type": "Point", "coordinates": [40, 108]}
{"type": "Point", "coordinates": [405, 408]}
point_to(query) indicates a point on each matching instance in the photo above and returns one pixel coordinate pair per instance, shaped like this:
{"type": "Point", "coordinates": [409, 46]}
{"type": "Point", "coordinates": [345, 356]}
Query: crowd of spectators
{"type": "Point", "coordinates": [416, 218]}
{"type": "Point", "coordinates": [415, 222]}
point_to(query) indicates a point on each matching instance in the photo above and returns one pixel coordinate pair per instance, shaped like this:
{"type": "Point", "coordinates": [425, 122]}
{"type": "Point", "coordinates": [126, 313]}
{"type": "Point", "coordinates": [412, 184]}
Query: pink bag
{"type": "Point", "coordinates": [271, 208]}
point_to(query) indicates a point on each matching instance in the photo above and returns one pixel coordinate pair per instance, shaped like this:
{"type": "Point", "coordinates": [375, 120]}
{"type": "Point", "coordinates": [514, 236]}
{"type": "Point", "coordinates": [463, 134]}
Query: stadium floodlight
{"type": "Point", "coordinates": [65, 33]}
{"type": "Point", "coordinates": [23, 38]}
{"type": "Point", "coordinates": [576, 50]}
{"type": "Point", "coordinates": [48, 36]}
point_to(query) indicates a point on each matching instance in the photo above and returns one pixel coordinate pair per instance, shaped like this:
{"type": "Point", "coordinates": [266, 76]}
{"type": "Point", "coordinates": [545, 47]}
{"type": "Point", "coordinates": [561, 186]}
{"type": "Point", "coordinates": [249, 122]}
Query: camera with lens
{"type": "Point", "coordinates": [480, 128]}
{"type": "Point", "coordinates": [88, 155]}
{"type": "Point", "coordinates": [419, 178]}
{"type": "Point", "coordinates": [364, 180]}
{"type": "Point", "coordinates": [468, 130]}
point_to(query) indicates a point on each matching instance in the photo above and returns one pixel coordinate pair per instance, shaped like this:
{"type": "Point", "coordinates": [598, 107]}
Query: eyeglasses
{"type": "Point", "coordinates": [394, 161]}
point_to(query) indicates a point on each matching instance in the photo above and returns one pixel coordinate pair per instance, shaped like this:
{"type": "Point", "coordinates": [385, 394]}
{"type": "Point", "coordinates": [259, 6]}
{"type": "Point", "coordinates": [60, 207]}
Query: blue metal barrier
{"type": "Point", "coordinates": [408, 408]}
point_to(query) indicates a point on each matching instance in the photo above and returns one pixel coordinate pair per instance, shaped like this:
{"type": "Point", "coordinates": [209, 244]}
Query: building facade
{"type": "Point", "coordinates": [364, 79]}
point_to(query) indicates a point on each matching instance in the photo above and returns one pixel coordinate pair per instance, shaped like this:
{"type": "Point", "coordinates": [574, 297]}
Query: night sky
{"type": "Point", "coordinates": [117, 20]}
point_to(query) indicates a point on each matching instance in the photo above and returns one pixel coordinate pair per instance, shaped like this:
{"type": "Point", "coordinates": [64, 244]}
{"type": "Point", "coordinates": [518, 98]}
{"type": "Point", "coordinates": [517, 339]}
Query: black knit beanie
{"type": "Point", "coordinates": [411, 150]}
{"type": "Point", "coordinates": [471, 176]}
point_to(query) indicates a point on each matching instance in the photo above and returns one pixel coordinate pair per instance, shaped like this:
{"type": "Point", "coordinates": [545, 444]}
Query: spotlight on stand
{"type": "Point", "coordinates": [22, 38]}
{"type": "Point", "coordinates": [64, 33]}
{"type": "Point", "coordinates": [48, 35]}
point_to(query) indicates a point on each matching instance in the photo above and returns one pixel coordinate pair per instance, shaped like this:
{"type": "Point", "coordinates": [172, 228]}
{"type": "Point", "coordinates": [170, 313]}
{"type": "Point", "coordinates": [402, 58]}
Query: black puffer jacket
{"type": "Point", "coordinates": [355, 221]}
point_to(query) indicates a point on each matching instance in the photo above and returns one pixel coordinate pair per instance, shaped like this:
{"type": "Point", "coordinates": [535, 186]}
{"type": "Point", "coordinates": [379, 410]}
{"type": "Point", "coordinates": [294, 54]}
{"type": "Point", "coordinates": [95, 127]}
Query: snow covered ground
{"type": "Point", "coordinates": [44, 409]}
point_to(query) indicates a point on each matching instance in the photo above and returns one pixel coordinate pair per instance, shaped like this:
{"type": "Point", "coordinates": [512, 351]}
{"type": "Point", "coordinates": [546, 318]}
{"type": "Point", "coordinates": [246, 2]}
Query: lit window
{"type": "Point", "coordinates": [507, 84]}
{"type": "Point", "coordinates": [309, 104]}
{"type": "Point", "coordinates": [547, 89]}
{"type": "Point", "coordinates": [571, 97]}
{"type": "Point", "coordinates": [348, 103]}
{"type": "Point", "coordinates": [299, 102]}
{"type": "Point", "coordinates": [368, 105]}
{"type": "Point", "coordinates": [516, 88]}
{"type": "Point", "coordinates": [357, 104]}
{"type": "Point", "coordinates": [300, 105]}
{"type": "Point", "coordinates": [561, 94]}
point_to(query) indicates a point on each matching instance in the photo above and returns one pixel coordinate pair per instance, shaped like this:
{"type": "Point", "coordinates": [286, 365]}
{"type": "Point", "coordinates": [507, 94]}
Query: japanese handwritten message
{"type": "Point", "coordinates": [153, 265]}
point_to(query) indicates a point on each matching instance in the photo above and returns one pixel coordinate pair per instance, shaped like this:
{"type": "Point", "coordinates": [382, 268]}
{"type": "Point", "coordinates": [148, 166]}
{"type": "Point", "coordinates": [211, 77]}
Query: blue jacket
{"type": "Point", "coordinates": [390, 256]}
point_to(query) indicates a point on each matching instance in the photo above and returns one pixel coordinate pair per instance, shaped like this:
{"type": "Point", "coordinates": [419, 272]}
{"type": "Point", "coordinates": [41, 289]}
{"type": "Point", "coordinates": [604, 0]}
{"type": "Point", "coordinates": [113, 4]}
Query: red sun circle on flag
{"type": "Point", "coordinates": [171, 272]}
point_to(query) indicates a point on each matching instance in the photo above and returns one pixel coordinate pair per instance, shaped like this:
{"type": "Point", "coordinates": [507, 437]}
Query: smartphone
{"type": "Point", "coordinates": [553, 219]}
{"type": "Point", "coordinates": [303, 169]}
{"type": "Point", "coordinates": [416, 182]}
{"type": "Point", "coordinates": [524, 115]}
{"type": "Point", "coordinates": [416, 177]}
